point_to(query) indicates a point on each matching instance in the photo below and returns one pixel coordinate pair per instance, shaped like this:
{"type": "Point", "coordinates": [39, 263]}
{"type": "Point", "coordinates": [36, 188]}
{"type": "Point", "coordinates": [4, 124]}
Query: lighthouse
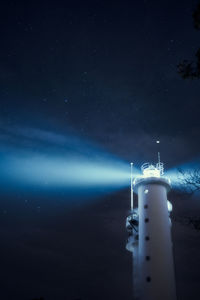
{"type": "Point", "coordinates": [149, 228]}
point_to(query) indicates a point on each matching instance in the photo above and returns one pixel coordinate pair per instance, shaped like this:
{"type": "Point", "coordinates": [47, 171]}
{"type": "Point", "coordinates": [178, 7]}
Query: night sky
{"type": "Point", "coordinates": [94, 82]}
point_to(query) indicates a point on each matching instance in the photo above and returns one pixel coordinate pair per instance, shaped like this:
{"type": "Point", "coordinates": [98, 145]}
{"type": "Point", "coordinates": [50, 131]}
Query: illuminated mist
{"type": "Point", "coordinates": [35, 159]}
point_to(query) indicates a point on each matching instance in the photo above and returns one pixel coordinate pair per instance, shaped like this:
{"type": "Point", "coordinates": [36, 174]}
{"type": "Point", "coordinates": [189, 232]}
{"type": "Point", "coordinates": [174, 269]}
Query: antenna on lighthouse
{"type": "Point", "coordinates": [131, 186]}
{"type": "Point", "coordinates": [159, 165]}
{"type": "Point", "coordinates": [158, 142]}
{"type": "Point", "coordinates": [159, 158]}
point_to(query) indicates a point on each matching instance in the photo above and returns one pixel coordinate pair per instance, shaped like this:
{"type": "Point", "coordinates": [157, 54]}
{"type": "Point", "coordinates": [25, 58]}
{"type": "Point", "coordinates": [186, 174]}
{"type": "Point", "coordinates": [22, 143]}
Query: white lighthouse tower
{"type": "Point", "coordinates": [150, 236]}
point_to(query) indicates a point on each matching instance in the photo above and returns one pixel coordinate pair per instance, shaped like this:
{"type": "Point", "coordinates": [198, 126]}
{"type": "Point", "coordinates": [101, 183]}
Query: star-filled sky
{"type": "Point", "coordinates": [87, 87]}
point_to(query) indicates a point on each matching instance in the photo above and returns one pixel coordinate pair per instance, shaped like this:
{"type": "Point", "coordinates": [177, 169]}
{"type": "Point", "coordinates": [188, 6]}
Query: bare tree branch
{"type": "Point", "coordinates": [189, 181]}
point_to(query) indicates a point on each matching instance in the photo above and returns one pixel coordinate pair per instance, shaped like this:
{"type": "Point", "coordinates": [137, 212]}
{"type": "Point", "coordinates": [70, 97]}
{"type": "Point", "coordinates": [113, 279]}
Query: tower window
{"type": "Point", "coordinates": [145, 206]}
{"type": "Point", "coordinates": [147, 257]}
{"type": "Point", "coordinates": [146, 220]}
{"type": "Point", "coordinates": [147, 238]}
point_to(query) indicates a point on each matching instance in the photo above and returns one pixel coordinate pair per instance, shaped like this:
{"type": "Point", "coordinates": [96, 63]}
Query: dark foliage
{"type": "Point", "coordinates": [188, 221]}
{"type": "Point", "coordinates": [191, 69]}
{"type": "Point", "coordinates": [189, 184]}
{"type": "Point", "coordinates": [196, 17]}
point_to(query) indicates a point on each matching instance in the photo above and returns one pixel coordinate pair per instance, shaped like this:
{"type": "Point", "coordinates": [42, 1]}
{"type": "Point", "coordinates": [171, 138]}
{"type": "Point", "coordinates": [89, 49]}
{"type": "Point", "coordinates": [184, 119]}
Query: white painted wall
{"type": "Point", "coordinates": [156, 267]}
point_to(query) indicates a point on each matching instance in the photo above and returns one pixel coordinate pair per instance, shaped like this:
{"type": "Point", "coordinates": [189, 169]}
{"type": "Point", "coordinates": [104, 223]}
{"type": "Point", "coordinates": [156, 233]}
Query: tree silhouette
{"type": "Point", "coordinates": [191, 69]}
{"type": "Point", "coordinates": [189, 181]}
{"type": "Point", "coordinates": [189, 184]}
{"type": "Point", "coordinates": [196, 17]}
